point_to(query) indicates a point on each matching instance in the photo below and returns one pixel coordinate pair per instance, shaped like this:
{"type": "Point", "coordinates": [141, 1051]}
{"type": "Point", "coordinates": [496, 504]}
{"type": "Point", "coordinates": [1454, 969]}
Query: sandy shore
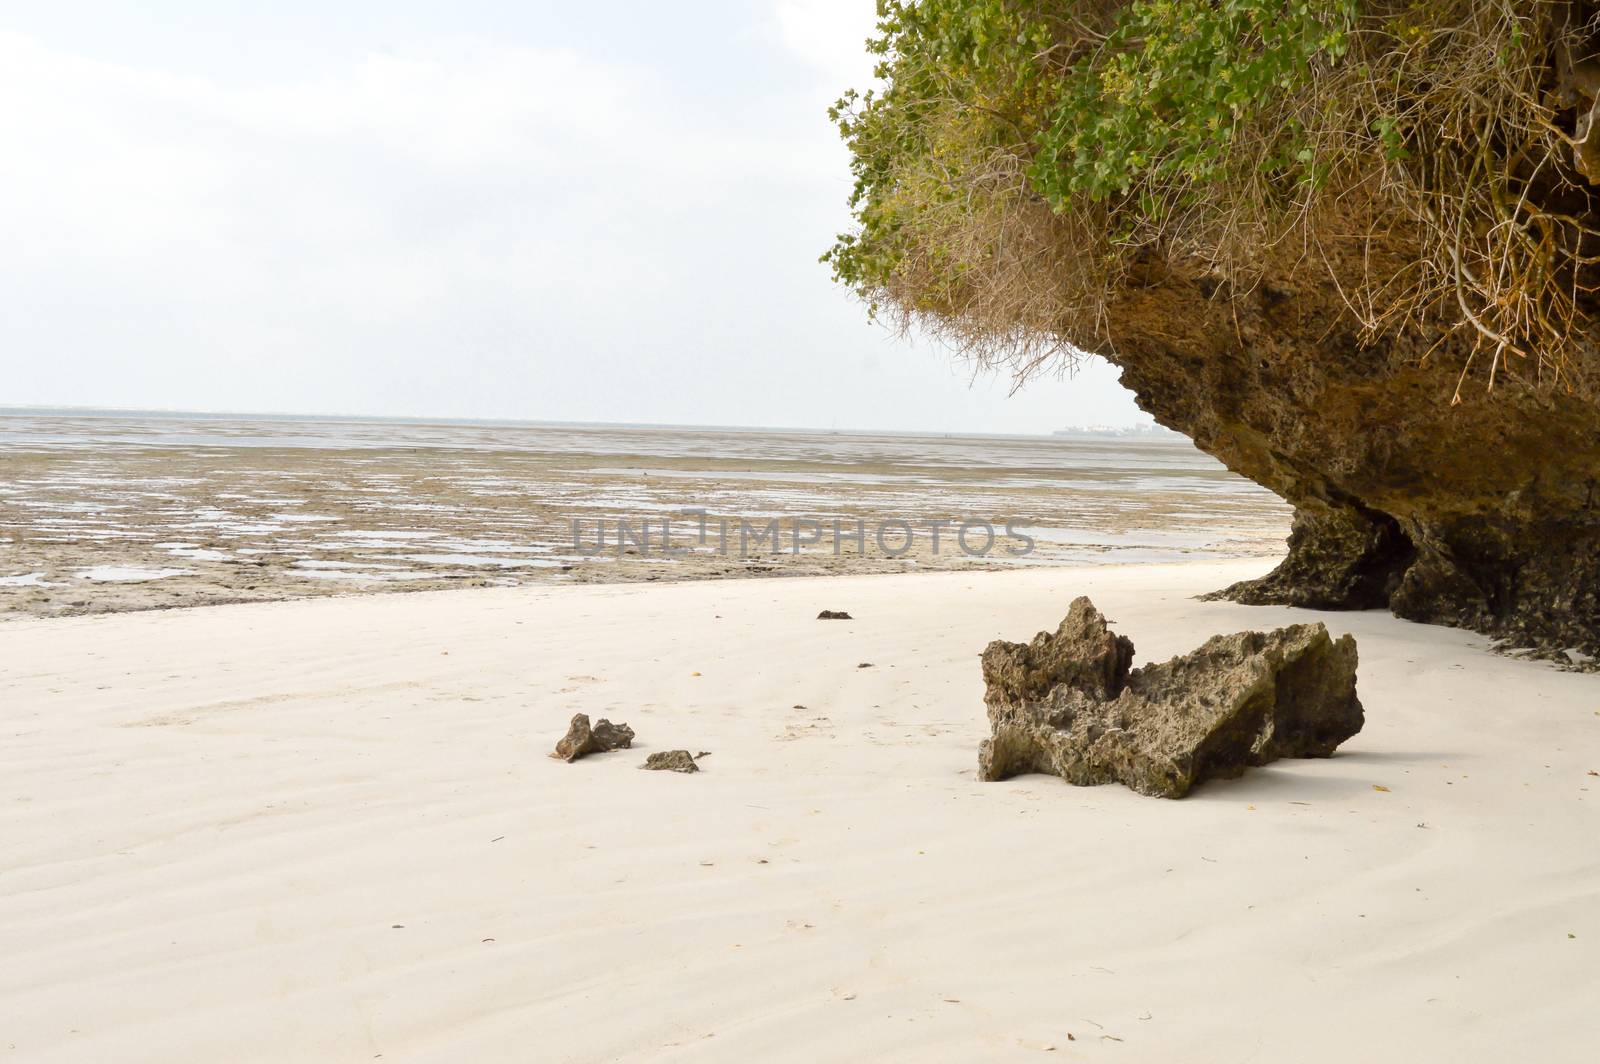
{"type": "Point", "coordinates": [326, 830]}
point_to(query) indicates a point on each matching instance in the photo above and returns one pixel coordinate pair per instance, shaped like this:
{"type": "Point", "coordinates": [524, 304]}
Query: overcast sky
{"type": "Point", "coordinates": [520, 209]}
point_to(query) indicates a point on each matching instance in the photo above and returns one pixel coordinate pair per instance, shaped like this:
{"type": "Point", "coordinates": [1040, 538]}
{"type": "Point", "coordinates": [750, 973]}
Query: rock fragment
{"type": "Point", "coordinates": [1068, 704]}
{"type": "Point", "coordinates": [671, 761]}
{"type": "Point", "coordinates": [834, 615]}
{"type": "Point", "coordinates": [582, 740]}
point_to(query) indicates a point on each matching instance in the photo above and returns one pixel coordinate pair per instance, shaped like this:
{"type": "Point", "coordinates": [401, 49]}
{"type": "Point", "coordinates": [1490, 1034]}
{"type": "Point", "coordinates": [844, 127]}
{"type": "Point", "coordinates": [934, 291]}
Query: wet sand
{"type": "Point", "coordinates": [105, 514]}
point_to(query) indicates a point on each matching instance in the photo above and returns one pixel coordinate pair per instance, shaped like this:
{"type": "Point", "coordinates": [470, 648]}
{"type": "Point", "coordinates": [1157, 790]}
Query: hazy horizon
{"type": "Point", "coordinates": [90, 411]}
{"type": "Point", "coordinates": [513, 211]}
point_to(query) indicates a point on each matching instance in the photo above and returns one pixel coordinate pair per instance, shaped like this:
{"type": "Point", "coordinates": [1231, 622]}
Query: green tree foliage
{"type": "Point", "coordinates": [1174, 81]}
{"type": "Point", "coordinates": [1018, 155]}
{"type": "Point", "coordinates": [1160, 97]}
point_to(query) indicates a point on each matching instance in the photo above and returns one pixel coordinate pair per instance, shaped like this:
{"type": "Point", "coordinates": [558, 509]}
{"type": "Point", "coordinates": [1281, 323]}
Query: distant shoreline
{"type": "Point", "coordinates": [113, 413]}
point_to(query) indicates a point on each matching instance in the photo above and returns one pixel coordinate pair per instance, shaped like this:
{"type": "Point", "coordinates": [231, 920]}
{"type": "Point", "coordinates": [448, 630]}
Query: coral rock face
{"type": "Point", "coordinates": [1067, 704]}
{"type": "Point", "coordinates": [1483, 514]}
{"type": "Point", "coordinates": [581, 740]}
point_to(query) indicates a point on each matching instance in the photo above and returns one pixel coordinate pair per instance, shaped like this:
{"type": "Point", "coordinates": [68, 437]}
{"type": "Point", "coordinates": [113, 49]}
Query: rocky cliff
{"type": "Point", "coordinates": [1482, 513]}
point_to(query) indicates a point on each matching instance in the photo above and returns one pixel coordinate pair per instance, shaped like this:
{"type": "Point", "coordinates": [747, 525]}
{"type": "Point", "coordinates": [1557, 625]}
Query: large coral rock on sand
{"type": "Point", "coordinates": [582, 740]}
{"type": "Point", "coordinates": [1068, 705]}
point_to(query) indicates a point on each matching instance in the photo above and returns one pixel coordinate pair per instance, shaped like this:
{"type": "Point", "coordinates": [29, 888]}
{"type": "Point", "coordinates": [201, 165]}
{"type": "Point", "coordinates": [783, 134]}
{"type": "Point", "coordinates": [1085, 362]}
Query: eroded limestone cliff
{"type": "Point", "coordinates": [1481, 514]}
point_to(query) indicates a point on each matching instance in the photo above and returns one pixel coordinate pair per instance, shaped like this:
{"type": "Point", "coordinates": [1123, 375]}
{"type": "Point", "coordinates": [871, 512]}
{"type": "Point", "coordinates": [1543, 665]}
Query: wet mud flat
{"type": "Point", "coordinates": [109, 514]}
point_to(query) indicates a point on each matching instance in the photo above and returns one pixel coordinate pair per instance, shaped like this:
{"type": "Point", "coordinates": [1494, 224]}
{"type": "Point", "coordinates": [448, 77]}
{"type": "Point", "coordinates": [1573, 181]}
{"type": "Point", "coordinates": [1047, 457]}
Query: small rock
{"type": "Point", "coordinates": [671, 761]}
{"type": "Point", "coordinates": [865, 665]}
{"type": "Point", "coordinates": [834, 615]}
{"type": "Point", "coordinates": [581, 740]}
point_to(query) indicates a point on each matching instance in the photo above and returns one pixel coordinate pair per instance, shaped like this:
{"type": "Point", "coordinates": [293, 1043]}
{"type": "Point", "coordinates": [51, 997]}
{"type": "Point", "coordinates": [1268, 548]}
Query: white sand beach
{"type": "Point", "coordinates": [327, 830]}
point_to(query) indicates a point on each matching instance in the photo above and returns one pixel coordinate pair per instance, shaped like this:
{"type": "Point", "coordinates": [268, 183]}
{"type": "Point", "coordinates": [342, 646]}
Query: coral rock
{"type": "Point", "coordinates": [671, 761]}
{"type": "Point", "coordinates": [581, 740]}
{"type": "Point", "coordinates": [1067, 704]}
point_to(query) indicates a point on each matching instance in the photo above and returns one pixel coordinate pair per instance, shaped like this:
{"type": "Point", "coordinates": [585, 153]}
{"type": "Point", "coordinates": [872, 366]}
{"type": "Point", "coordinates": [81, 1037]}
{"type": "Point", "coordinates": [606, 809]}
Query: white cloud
{"type": "Point", "coordinates": [451, 225]}
{"type": "Point", "coordinates": [377, 189]}
{"type": "Point", "coordinates": [830, 36]}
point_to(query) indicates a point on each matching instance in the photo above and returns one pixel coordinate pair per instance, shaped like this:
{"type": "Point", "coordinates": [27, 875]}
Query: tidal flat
{"type": "Point", "coordinates": [114, 512]}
